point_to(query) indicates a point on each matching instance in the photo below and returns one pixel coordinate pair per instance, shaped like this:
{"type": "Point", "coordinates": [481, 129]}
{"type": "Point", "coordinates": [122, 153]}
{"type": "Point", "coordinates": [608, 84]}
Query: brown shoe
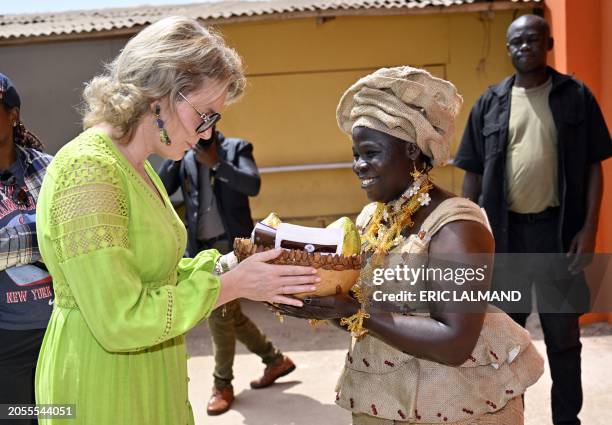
{"type": "Point", "coordinates": [274, 371]}
{"type": "Point", "coordinates": [220, 401]}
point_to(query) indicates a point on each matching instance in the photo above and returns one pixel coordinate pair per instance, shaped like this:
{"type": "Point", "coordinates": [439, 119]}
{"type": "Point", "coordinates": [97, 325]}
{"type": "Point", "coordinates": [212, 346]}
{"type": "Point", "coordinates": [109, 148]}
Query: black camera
{"type": "Point", "coordinates": [205, 143]}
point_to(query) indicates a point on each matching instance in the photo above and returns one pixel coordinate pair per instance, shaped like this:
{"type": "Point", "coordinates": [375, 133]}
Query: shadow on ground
{"type": "Point", "coordinates": [284, 410]}
{"type": "Point", "coordinates": [297, 335]}
{"type": "Point", "coordinates": [291, 335]}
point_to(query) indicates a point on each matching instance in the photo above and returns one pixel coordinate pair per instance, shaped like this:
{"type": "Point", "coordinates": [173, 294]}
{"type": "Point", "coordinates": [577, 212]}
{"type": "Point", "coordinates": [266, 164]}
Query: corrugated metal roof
{"type": "Point", "coordinates": [132, 18]}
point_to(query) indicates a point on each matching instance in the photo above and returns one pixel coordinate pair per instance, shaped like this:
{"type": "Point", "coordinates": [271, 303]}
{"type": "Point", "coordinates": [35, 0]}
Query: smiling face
{"type": "Point", "coordinates": [181, 123]}
{"type": "Point", "coordinates": [528, 42]}
{"type": "Point", "coordinates": [383, 163]}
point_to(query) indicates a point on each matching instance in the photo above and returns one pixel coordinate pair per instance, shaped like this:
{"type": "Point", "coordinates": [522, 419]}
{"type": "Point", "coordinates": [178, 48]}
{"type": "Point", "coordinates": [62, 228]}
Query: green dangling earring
{"type": "Point", "coordinates": [163, 134]}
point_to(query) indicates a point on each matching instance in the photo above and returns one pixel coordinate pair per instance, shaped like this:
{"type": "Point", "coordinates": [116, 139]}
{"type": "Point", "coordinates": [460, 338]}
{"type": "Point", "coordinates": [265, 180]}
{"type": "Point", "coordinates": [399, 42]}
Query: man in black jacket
{"type": "Point", "coordinates": [216, 180]}
{"type": "Point", "coordinates": [532, 151]}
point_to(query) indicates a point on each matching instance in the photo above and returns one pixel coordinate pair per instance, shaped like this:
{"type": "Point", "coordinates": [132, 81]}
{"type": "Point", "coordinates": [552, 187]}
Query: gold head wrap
{"type": "Point", "coordinates": [407, 103]}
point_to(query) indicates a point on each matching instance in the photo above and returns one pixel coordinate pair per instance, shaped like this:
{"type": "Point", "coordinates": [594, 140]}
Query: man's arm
{"type": "Point", "coordinates": [583, 244]}
{"type": "Point", "coordinates": [470, 155]}
{"type": "Point", "coordinates": [472, 186]}
{"type": "Point", "coordinates": [594, 196]}
{"type": "Point", "coordinates": [243, 176]}
{"type": "Point", "coordinates": [599, 149]}
{"type": "Point", "coordinates": [449, 334]}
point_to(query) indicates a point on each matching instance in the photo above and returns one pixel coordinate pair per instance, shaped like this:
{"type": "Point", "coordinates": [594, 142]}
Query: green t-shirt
{"type": "Point", "coordinates": [531, 161]}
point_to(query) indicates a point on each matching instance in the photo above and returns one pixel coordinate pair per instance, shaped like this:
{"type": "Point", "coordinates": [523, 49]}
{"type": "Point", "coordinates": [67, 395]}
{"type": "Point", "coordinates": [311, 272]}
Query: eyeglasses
{"type": "Point", "coordinates": [18, 194]}
{"type": "Point", "coordinates": [208, 120]}
{"type": "Point", "coordinates": [530, 39]}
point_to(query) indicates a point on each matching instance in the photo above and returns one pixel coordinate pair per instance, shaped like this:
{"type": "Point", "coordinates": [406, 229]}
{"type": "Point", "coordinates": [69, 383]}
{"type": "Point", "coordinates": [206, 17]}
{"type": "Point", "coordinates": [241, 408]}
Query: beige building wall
{"type": "Point", "coordinates": [50, 78]}
{"type": "Point", "coordinates": [297, 71]}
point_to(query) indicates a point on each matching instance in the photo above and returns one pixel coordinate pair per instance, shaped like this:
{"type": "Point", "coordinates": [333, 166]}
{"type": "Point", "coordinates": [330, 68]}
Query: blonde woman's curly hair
{"type": "Point", "coordinates": [173, 54]}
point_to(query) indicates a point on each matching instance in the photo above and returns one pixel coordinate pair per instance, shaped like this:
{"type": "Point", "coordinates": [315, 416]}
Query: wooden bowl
{"type": "Point", "coordinates": [338, 273]}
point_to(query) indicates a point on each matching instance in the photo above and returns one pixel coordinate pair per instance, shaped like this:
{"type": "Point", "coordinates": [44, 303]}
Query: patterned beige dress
{"type": "Point", "coordinates": [381, 385]}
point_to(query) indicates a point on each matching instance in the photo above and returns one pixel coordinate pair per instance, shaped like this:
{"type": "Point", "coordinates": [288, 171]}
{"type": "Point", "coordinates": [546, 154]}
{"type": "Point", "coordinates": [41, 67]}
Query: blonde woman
{"type": "Point", "coordinates": [124, 296]}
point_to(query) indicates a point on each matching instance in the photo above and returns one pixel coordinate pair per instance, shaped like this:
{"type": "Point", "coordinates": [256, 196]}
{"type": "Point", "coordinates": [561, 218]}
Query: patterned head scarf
{"type": "Point", "coordinates": [10, 99]}
{"type": "Point", "coordinates": [407, 103]}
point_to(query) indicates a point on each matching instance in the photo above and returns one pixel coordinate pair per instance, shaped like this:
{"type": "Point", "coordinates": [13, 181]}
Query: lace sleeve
{"type": "Point", "coordinates": [89, 210]}
{"type": "Point", "coordinates": [89, 215]}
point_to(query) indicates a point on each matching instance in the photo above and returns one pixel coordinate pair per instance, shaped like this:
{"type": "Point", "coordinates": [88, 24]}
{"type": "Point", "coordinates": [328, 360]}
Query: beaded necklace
{"type": "Point", "coordinates": [384, 233]}
{"type": "Point", "coordinates": [385, 229]}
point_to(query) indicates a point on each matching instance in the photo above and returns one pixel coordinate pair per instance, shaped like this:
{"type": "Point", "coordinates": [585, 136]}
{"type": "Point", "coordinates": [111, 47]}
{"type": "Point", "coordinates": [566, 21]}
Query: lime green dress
{"type": "Point", "coordinates": [125, 297]}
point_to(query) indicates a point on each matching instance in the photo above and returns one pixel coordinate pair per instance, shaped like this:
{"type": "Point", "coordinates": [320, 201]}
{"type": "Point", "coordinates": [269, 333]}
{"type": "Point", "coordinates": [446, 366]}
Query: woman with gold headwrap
{"type": "Point", "coordinates": [413, 360]}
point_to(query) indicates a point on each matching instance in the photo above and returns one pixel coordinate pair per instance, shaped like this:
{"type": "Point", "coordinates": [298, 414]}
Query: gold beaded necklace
{"type": "Point", "coordinates": [384, 233]}
{"type": "Point", "coordinates": [385, 229]}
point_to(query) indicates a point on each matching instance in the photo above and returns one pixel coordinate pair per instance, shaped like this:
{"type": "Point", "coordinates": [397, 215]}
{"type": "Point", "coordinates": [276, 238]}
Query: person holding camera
{"type": "Point", "coordinates": [216, 179]}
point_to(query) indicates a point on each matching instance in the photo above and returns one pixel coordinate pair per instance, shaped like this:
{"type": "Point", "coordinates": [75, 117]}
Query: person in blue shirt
{"type": "Point", "coordinates": [26, 293]}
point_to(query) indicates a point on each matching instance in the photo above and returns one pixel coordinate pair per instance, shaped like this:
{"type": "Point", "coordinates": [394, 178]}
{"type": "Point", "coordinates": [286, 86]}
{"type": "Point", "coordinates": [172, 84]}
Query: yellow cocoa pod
{"type": "Point", "coordinates": [272, 220]}
{"type": "Point", "coordinates": [352, 241]}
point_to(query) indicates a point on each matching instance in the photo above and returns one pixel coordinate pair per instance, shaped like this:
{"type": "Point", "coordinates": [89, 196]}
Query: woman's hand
{"type": "Point", "coordinates": [322, 308]}
{"type": "Point", "coordinates": [257, 280]}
